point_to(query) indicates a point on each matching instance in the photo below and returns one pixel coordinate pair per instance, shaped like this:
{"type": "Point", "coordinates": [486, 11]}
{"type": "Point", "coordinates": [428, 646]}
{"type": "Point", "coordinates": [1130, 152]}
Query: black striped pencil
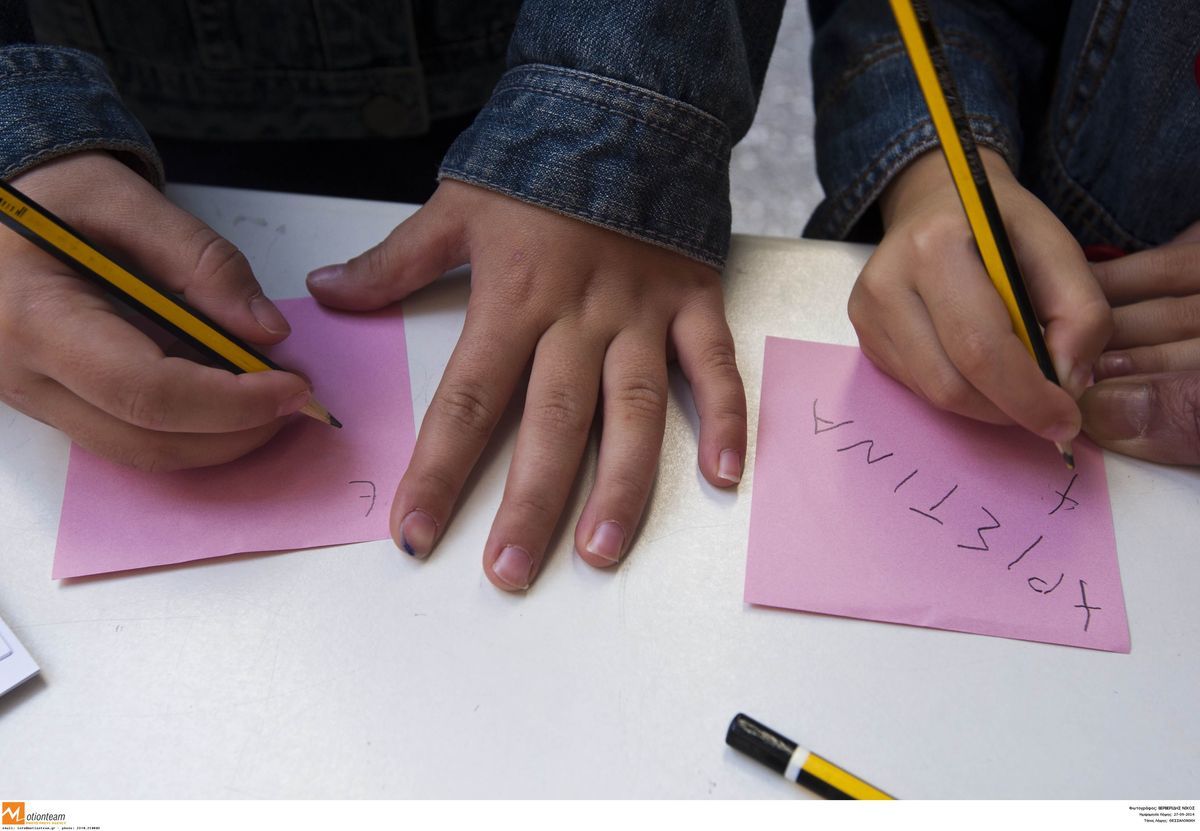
{"type": "Point", "coordinates": [924, 47]}
{"type": "Point", "coordinates": [60, 240]}
{"type": "Point", "coordinates": [796, 763]}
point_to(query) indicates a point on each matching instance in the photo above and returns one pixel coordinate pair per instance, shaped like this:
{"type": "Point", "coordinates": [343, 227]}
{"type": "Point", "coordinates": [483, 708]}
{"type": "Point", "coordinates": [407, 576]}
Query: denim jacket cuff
{"type": "Point", "coordinates": [874, 124]}
{"type": "Point", "coordinates": [55, 101]}
{"type": "Point", "coordinates": [606, 152]}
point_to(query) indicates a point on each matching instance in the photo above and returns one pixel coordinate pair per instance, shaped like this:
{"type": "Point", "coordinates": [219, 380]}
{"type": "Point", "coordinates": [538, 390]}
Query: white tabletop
{"type": "Point", "coordinates": [357, 672]}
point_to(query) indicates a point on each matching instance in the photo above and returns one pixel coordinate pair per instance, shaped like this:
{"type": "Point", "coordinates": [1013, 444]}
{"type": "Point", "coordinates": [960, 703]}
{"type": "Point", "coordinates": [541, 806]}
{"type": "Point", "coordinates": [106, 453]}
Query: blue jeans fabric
{"type": "Point", "coordinates": [1096, 104]}
{"type": "Point", "coordinates": [618, 113]}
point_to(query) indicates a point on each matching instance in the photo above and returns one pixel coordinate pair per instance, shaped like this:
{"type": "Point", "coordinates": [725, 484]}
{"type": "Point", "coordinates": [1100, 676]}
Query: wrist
{"type": "Point", "coordinates": [928, 177]}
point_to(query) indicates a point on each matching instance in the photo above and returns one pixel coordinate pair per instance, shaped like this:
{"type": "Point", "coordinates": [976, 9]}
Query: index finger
{"type": "Point", "coordinates": [975, 329]}
{"type": "Point", "coordinates": [1167, 271]}
{"type": "Point", "coordinates": [1069, 301]}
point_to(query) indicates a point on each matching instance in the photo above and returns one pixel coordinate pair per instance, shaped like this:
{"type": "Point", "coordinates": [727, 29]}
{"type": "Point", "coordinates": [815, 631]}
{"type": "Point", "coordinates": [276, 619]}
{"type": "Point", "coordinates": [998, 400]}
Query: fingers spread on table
{"type": "Point", "coordinates": [705, 351]}
{"type": "Point", "coordinates": [484, 369]}
{"type": "Point", "coordinates": [634, 418]}
{"type": "Point", "coordinates": [560, 406]}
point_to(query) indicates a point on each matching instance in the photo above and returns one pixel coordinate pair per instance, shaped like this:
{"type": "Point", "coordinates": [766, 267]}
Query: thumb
{"type": "Point", "coordinates": [1155, 417]}
{"type": "Point", "coordinates": [414, 254]}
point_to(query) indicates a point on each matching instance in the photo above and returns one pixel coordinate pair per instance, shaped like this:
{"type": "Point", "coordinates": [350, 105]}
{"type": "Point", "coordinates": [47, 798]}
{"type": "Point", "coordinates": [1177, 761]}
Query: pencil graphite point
{"type": "Point", "coordinates": [1064, 448]}
{"type": "Point", "coordinates": [313, 409]}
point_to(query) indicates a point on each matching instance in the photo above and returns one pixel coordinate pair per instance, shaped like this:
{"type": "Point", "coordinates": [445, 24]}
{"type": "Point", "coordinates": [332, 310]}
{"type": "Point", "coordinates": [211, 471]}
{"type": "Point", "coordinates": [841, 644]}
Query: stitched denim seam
{"type": "Point", "coordinates": [51, 75]}
{"type": "Point", "coordinates": [884, 48]}
{"type": "Point", "coordinates": [597, 219]}
{"type": "Point", "coordinates": [873, 54]}
{"type": "Point", "coordinates": [1068, 137]}
{"type": "Point", "coordinates": [853, 200]}
{"type": "Point", "coordinates": [640, 118]}
{"type": "Point", "coordinates": [717, 155]}
{"type": "Point", "coordinates": [137, 149]}
{"type": "Point", "coordinates": [1080, 206]}
{"type": "Point", "coordinates": [622, 87]}
{"type": "Point", "coordinates": [16, 57]}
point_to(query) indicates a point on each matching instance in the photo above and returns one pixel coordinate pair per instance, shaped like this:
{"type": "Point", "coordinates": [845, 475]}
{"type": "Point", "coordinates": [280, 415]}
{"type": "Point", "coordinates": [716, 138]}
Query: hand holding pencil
{"type": "Point", "coordinates": [926, 313]}
{"type": "Point", "coordinates": [70, 360]}
{"type": "Point", "coordinates": [981, 351]}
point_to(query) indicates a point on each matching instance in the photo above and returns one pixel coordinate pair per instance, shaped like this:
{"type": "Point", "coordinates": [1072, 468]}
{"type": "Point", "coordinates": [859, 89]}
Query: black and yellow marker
{"type": "Point", "coordinates": [924, 46]}
{"type": "Point", "coordinates": [60, 240]}
{"type": "Point", "coordinates": [801, 766]}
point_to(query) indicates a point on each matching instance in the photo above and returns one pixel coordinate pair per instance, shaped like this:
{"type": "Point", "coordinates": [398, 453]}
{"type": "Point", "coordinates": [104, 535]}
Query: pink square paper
{"type": "Point", "coordinates": [869, 503]}
{"type": "Point", "coordinates": [311, 485]}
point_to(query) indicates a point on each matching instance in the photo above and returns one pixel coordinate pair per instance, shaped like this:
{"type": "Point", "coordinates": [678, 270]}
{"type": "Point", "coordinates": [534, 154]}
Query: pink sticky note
{"type": "Point", "coordinates": [311, 485]}
{"type": "Point", "coordinates": [870, 503]}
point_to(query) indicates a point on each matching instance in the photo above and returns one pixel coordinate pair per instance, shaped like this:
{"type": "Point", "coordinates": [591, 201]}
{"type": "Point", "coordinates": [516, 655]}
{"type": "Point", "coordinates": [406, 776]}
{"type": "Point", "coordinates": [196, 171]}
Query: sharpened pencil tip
{"type": "Point", "coordinates": [338, 425]}
{"type": "Point", "coordinates": [1068, 457]}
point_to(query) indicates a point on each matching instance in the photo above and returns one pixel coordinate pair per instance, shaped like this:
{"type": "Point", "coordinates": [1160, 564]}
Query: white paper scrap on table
{"type": "Point", "coordinates": [16, 665]}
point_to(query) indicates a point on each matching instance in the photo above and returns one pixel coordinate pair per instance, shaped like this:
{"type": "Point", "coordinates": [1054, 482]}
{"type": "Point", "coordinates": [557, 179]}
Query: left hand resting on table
{"type": "Point", "coordinates": [596, 312]}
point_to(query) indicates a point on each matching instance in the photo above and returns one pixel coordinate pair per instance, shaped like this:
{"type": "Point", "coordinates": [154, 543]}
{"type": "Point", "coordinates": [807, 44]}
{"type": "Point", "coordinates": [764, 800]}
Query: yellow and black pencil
{"type": "Point", "coordinates": [60, 240]}
{"type": "Point", "coordinates": [801, 766]}
{"type": "Point", "coordinates": [925, 53]}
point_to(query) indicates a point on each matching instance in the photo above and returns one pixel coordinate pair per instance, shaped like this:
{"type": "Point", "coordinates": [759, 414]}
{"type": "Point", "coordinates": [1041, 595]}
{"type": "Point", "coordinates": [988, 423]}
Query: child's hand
{"type": "Point", "coordinates": [927, 313]}
{"type": "Point", "coordinates": [1146, 401]}
{"type": "Point", "coordinates": [68, 359]}
{"type": "Point", "coordinates": [596, 312]}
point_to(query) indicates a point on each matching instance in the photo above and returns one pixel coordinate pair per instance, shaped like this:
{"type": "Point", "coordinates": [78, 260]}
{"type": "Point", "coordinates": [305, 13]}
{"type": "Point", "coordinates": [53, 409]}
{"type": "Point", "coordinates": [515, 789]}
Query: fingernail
{"type": "Point", "coordinates": [729, 467]}
{"type": "Point", "coordinates": [1113, 365]}
{"type": "Point", "coordinates": [417, 531]}
{"type": "Point", "coordinates": [1113, 411]}
{"type": "Point", "coordinates": [293, 404]}
{"type": "Point", "coordinates": [513, 567]}
{"type": "Point", "coordinates": [1072, 376]}
{"type": "Point", "coordinates": [268, 316]}
{"type": "Point", "coordinates": [1080, 376]}
{"type": "Point", "coordinates": [325, 274]}
{"type": "Point", "coordinates": [1062, 432]}
{"type": "Point", "coordinates": [606, 541]}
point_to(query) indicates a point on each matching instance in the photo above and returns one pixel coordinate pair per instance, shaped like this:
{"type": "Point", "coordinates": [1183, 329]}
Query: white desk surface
{"type": "Point", "coordinates": [358, 672]}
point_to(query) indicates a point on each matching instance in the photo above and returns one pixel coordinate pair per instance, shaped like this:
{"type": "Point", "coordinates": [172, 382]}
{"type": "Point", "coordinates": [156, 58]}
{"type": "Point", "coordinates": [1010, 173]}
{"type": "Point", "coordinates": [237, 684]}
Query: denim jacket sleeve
{"type": "Point", "coordinates": [55, 101]}
{"type": "Point", "coordinates": [624, 115]}
{"type": "Point", "coordinates": [871, 118]}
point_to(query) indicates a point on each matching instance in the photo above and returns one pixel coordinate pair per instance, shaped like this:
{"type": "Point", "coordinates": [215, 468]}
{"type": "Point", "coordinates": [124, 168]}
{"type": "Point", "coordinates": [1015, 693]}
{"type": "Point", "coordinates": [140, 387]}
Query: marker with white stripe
{"type": "Point", "coordinates": [801, 766]}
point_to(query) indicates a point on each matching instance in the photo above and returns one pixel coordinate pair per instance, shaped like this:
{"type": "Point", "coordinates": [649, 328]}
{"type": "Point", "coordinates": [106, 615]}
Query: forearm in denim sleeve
{"type": "Point", "coordinates": [55, 101]}
{"type": "Point", "coordinates": [623, 114]}
{"type": "Point", "coordinates": [871, 119]}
